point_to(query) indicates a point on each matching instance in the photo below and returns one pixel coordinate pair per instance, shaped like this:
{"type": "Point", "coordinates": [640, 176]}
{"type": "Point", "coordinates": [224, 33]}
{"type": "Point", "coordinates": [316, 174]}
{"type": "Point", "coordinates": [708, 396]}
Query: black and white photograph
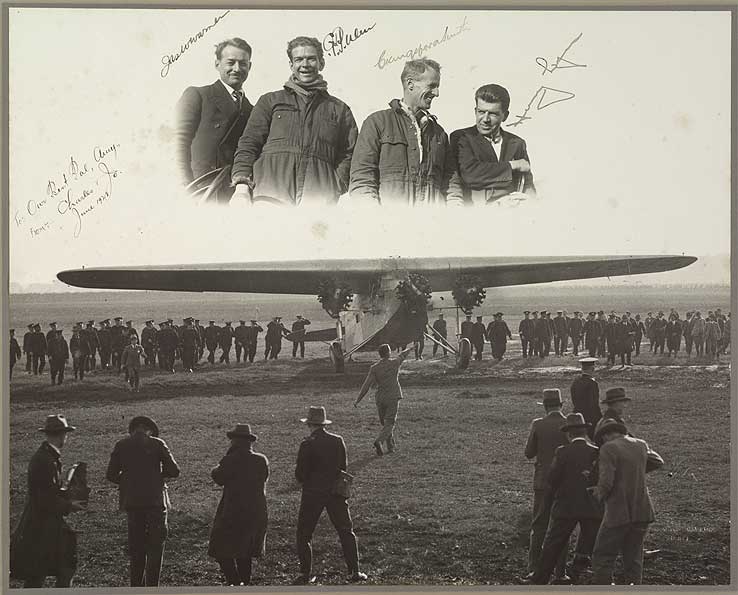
{"type": "Point", "coordinates": [375, 299]}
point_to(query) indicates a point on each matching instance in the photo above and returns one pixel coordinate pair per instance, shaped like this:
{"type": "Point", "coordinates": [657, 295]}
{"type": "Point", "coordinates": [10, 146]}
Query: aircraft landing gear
{"type": "Point", "coordinates": [463, 357]}
{"type": "Point", "coordinates": [337, 357]}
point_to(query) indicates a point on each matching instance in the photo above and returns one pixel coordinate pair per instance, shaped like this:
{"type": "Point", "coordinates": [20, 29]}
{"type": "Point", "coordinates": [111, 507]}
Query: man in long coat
{"type": "Point", "coordinates": [498, 333]}
{"type": "Point", "coordinates": [43, 544]}
{"type": "Point", "coordinates": [239, 528]}
{"type": "Point", "coordinates": [585, 394]}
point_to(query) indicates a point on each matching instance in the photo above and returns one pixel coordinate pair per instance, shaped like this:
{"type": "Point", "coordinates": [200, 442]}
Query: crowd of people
{"type": "Point", "coordinates": [121, 347]}
{"type": "Point", "coordinates": [589, 473]}
{"type": "Point", "coordinates": [301, 145]}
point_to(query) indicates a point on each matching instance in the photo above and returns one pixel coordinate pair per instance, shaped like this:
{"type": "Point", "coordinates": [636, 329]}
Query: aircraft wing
{"type": "Point", "coordinates": [304, 277]}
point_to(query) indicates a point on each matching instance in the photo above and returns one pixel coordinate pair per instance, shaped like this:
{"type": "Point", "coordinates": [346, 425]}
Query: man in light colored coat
{"type": "Point", "coordinates": [621, 487]}
{"type": "Point", "coordinates": [385, 375]}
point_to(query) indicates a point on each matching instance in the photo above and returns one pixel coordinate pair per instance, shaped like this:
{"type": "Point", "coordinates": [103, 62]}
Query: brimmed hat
{"type": "Point", "coordinates": [609, 425]}
{"type": "Point", "coordinates": [613, 395]}
{"type": "Point", "coordinates": [588, 362]}
{"type": "Point", "coordinates": [316, 415]}
{"type": "Point", "coordinates": [56, 424]}
{"type": "Point", "coordinates": [242, 431]}
{"type": "Point", "coordinates": [551, 396]}
{"type": "Point", "coordinates": [498, 314]}
{"type": "Point", "coordinates": [574, 421]}
{"type": "Point", "coordinates": [143, 420]}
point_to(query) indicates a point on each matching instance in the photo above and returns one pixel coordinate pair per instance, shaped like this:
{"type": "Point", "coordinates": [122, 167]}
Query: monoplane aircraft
{"type": "Point", "coordinates": [373, 301]}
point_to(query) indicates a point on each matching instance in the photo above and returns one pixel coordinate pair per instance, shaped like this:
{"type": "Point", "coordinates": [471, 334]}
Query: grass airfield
{"type": "Point", "coordinates": [450, 507]}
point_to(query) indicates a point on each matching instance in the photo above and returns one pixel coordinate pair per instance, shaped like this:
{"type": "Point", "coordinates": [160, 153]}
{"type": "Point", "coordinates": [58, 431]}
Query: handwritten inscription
{"type": "Point", "coordinates": [168, 59]}
{"type": "Point", "coordinates": [76, 191]}
{"type": "Point", "coordinates": [385, 58]}
{"type": "Point", "coordinates": [548, 96]}
{"type": "Point", "coordinates": [336, 42]}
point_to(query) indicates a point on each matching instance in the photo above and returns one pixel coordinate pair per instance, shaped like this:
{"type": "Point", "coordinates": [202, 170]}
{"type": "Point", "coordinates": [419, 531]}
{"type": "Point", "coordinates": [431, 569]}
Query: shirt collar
{"type": "Point", "coordinates": [228, 88]}
{"type": "Point", "coordinates": [54, 448]}
{"type": "Point", "coordinates": [579, 438]}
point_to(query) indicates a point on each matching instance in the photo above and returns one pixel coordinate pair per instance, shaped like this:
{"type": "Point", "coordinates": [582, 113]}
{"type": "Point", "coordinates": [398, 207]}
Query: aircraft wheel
{"type": "Point", "coordinates": [465, 353]}
{"type": "Point", "coordinates": [337, 357]}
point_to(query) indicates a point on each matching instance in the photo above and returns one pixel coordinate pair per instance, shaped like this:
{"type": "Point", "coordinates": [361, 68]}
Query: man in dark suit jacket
{"type": "Point", "coordinates": [489, 162]}
{"type": "Point", "coordinates": [320, 461]}
{"type": "Point", "coordinates": [139, 464]}
{"type": "Point", "coordinates": [621, 486]}
{"type": "Point", "coordinates": [569, 477]}
{"type": "Point", "coordinates": [544, 438]}
{"type": "Point", "coordinates": [585, 394]}
{"type": "Point", "coordinates": [210, 119]}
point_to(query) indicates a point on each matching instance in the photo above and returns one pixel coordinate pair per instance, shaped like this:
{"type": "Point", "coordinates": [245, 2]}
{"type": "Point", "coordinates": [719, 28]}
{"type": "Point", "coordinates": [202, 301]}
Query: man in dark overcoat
{"type": "Point", "coordinates": [252, 338]}
{"type": "Point", "coordinates": [585, 394]}
{"type": "Point", "coordinates": [58, 357]}
{"type": "Point", "coordinates": [212, 335]}
{"type": "Point", "coordinates": [544, 438]}
{"type": "Point", "coordinates": [478, 337]}
{"type": "Point", "coordinates": [225, 340]}
{"type": "Point", "coordinates": [526, 331]}
{"type": "Point", "coordinates": [570, 475]}
{"type": "Point", "coordinates": [239, 528]}
{"type": "Point", "coordinates": [498, 333]}
{"type": "Point", "coordinates": [321, 461]}
{"type": "Point", "coordinates": [43, 544]}
{"type": "Point", "coordinates": [39, 349]}
{"type": "Point", "coordinates": [139, 464]}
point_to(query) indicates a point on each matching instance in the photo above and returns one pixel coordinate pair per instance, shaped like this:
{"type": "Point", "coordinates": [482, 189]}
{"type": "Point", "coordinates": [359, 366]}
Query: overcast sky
{"type": "Point", "coordinates": [634, 160]}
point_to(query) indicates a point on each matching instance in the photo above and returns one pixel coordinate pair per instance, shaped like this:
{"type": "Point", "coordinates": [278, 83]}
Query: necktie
{"type": "Point", "coordinates": [237, 96]}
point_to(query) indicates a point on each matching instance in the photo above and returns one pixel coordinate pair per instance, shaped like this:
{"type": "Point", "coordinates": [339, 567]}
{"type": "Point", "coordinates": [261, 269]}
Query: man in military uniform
{"type": "Point", "coordinates": [14, 351]}
{"type": "Point", "coordinates": [526, 332]}
{"type": "Point", "coordinates": [252, 338]}
{"type": "Point", "coordinates": [544, 438]}
{"type": "Point", "coordinates": [93, 342]}
{"type": "Point", "coordinates": [640, 330]}
{"type": "Point", "coordinates": [168, 342]}
{"type": "Point", "coordinates": [536, 340]}
{"type": "Point", "coordinates": [602, 346]}
{"type": "Point", "coordinates": [273, 339]}
{"type": "Point", "coordinates": [189, 345]}
{"type": "Point", "coordinates": [106, 343]}
{"type": "Point", "coordinates": [585, 394]}
{"type": "Point", "coordinates": [478, 337]}
{"type": "Point", "coordinates": [200, 339]}
{"type": "Point", "coordinates": [212, 336]}
{"type": "Point", "coordinates": [148, 342]}
{"type": "Point", "coordinates": [298, 335]}
{"type": "Point", "coordinates": [648, 323]}
{"type": "Point", "coordinates": [50, 335]}
{"type": "Point", "coordinates": [659, 333]}
{"type": "Point", "coordinates": [543, 335]}
{"type": "Point", "coordinates": [118, 341]}
{"type": "Point", "coordinates": [440, 333]}
{"type": "Point", "coordinates": [58, 357]}
{"type": "Point", "coordinates": [80, 349]}
{"type": "Point", "coordinates": [321, 461]}
{"type": "Point", "coordinates": [39, 349]}
{"type": "Point", "coordinates": [239, 338]}
{"type": "Point", "coordinates": [624, 336]}
{"type": "Point", "coordinates": [498, 333]}
{"type": "Point", "coordinates": [130, 330]}
{"type": "Point", "coordinates": [226, 341]}
{"type": "Point", "coordinates": [576, 331]}
{"type": "Point", "coordinates": [27, 349]}
{"type": "Point", "coordinates": [139, 465]}
{"type": "Point", "coordinates": [466, 327]}
{"type": "Point", "coordinates": [611, 344]}
{"type": "Point", "coordinates": [561, 337]}
{"type": "Point", "coordinates": [43, 544]}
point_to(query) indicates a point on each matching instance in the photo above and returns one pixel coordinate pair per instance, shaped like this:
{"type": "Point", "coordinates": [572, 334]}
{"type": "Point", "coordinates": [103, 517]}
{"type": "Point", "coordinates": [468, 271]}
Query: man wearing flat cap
{"type": "Point", "coordinates": [544, 438]}
{"type": "Point", "coordinates": [621, 487]}
{"type": "Point", "coordinates": [616, 401]}
{"type": "Point", "coordinates": [240, 524]}
{"type": "Point", "coordinates": [585, 394]}
{"type": "Point", "coordinates": [321, 464]}
{"type": "Point", "coordinates": [139, 464]}
{"type": "Point", "coordinates": [43, 544]}
{"type": "Point", "coordinates": [569, 477]}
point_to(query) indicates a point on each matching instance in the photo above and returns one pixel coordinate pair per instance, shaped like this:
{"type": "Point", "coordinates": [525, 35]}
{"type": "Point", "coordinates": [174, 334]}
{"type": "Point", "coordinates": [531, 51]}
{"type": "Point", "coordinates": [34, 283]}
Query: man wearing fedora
{"type": "Point", "coordinates": [240, 525]}
{"type": "Point", "coordinates": [621, 486]}
{"type": "Point", "coordinates": [544, 438]}
{"type": "Point", "coordinates": [321, 461]}
{"type": "Point", "coordinates": [385, 374]}
{"type": "Point", "coordinates": [585, 394]}
{"type": "Point", "coordinates": [43, 544]}
{"type": "Point", "coordinates": [139, 465]}
{"type": "Point", "coordinates": [616, 400]}
{"type": "Point", "coordinates": [569, 477]}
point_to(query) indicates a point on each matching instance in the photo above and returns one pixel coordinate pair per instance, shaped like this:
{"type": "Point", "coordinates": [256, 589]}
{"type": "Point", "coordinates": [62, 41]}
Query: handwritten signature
{"type": "Point", "coordinates": [337, 40]}
{"type": "Point", "coordinates": [386, 59]}
{"type": "Point", "coordinates": [168, 59]}
{"type": "Point", "coordinates": [548, 96]}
